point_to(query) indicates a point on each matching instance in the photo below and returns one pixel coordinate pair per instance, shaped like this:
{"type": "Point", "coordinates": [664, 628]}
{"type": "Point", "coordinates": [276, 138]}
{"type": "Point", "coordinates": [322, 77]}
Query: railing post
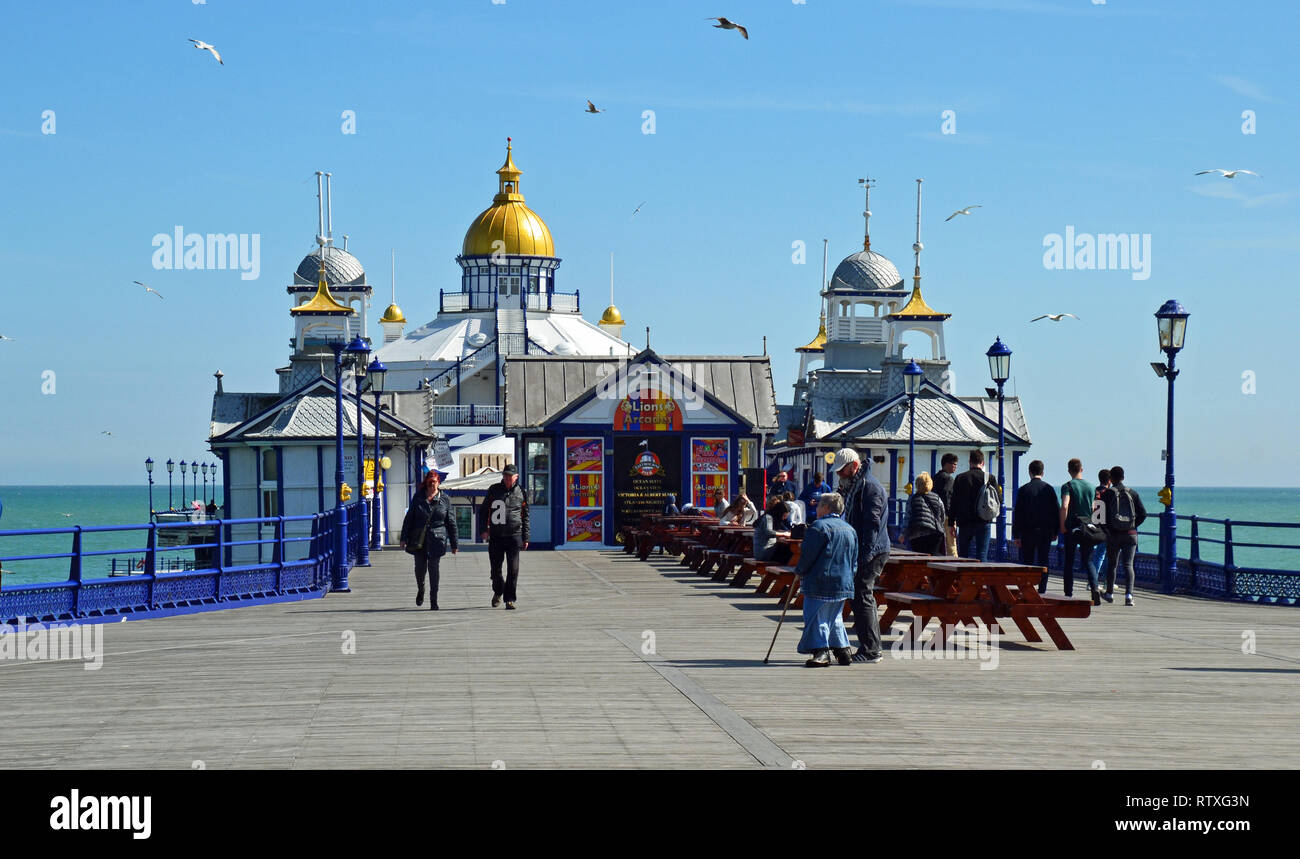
{"type": "Point", "coordinates": [74, 569]}
{"type": "Point", "coordinates": [278, 560]}
{"type": "Point", "coordinates": [150, 551]}
{"type": "Point", "coordinates": [1229, 566]}
{"type": "Point", "coordinates": [220, 564]}
{"type": "Point", "coordinates": [1194, 556]}
{"type": "Point", "coordinates": [471, 415]}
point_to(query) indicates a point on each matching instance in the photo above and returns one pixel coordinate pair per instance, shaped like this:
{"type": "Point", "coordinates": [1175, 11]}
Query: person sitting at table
{"type": "Point", "coordinates": [811, 493]}
{"type": "Point", "coordinates": [741, 511]}
{"type": "Point", "coordinates": [794, 510]}
{"type": "Point", "coordinates": [826, 568]}
{"type": "Point", "coordinates": [768, 527]}
{"type": "Point", "coordinates": [925, 517]}
{"type": "Point", "coordinates": [720, 504]}
{"type": "Point", "coordinates": [670, 509]}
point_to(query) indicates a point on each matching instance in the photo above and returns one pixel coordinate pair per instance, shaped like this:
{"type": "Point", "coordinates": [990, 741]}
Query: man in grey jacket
{"type": "Point", "coordinates": [864, 510]}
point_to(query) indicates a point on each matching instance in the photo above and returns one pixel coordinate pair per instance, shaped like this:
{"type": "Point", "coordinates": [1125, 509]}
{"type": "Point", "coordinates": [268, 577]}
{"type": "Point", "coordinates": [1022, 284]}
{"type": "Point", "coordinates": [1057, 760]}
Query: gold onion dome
{"type": "Point", "coordinates": [916, 306]}
{"type": "Point", "coordinates": [818, 343]}
{"type": "Point", "coordinates": [392, 314]}
{"type": "Point", "coordinates": [322, 302]}
{"type": "Point", "coordinates": [611, 316]}
{"type": "Point", "coordinates": [508, 226]}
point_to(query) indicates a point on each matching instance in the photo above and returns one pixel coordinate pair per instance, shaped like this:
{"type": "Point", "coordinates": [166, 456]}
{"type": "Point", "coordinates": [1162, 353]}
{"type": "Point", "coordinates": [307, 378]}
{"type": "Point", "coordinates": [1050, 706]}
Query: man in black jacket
{"type": "Point", "coordinates": [864, 509]}
{"type": "Point", "coordinates": [972, 530]}
{"type": "Point", "coordinates": [1124, 515]}
{"type": "Point", "coordinates": [943, 488]}
{"type": "Point", "coordinates": [1035, 521]}
{"type": "Point", "coordinates": [503, 523]}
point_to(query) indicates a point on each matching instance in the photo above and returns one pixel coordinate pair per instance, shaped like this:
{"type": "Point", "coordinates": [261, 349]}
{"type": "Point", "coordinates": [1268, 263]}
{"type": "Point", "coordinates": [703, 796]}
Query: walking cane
{"type": "Point", "coordinates": [788, 599]}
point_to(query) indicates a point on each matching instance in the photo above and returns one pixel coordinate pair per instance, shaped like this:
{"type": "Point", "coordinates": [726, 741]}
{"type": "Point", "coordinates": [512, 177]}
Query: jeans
{"type": "Point", "coordinates": [866, 621]}
{"type": "Point", "coordinates": [977, 534]}
{"type": "Point", "coordinates": [1034, 549]}
{"type": "Point", "coordinates": [1120, 552]}
{"type": "Point", "coordinates": [425, 561]}
{"type": "Point", "coordinates": [823, 625]}
{"type": "Point", "coordinates": [1073, 541]}
{"type": "Point", "coordinates": [1099, 557]}
{"type": "Point", "coordinates": [504, 549]}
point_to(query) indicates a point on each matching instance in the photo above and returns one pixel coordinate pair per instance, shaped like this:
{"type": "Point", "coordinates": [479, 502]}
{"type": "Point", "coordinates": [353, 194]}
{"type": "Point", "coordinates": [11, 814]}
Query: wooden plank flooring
{"type": "Point", "coordinates": [563, 682]}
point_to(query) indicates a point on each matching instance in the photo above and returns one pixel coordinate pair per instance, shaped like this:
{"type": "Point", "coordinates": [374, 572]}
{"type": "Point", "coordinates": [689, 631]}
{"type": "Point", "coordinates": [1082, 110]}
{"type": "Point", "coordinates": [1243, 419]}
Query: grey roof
{"type": "Point", "coordinates": [539, 387]}
{"type": "Point", "coordinates": [866, 270]}
{"type": "Point", "coordinates": [1013, 413]}
{"type": "Point", "coordinates": [229, 410]}
{"type": "Point", "coordinates": [310, 416]}
{"type": "Point", "coordinates": [341, 267]}
{"type": "Point", "coordinates": [308, 413]}
{"type": "Point", "coordinates": [940, 419]}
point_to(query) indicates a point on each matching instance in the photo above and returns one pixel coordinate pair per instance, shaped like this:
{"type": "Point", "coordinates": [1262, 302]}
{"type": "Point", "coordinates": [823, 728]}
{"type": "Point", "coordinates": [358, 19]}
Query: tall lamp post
{"type": "Point", "coordinates": [148, 467]}
{"type": "Point", "coordinates": [204, 499]}
{"type": "Point", "coordinates": [170, 466]}
{"type": "Point", "coordinates": [339, 584]}
{"type": "Point", "coordinates": [185, 467]}
{"type": "Point", "coordinates": [194, 470]}
{"type": "Point", "coordinates": [912, 377]}
{"type": "Point", "coordinates": [1171, 323]}
{"type": "Point", "coordinates": [376, 372]}
{"type": "Point", "coordinates": [359, 351]}
{"type": "Point", "coordinates": [1000, 369]}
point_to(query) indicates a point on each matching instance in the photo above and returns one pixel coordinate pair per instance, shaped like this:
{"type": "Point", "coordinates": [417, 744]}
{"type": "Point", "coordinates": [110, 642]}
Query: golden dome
{"type": "Point", "coordinates": [818, 343]}
{"type": "Point", "coordinates": [508, 226]}
{"type": "Point", "coordinates": [322, 303]}
{"type": "Point", "coordinates": [611, 316]}
{"type": "Point", "coordinates": [916, 306]}
{"type": "Point", "coordinates": [393, 314]}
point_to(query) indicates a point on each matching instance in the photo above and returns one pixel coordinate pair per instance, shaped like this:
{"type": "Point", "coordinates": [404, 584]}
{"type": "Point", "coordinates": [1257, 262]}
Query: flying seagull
{"type": "Point", "coordinates": [965, 211]}
{"type": "Point", "coordinates": [1228, 174]}
{"type": "Point", "coordinates": [3, 337]}
{"type": "Point", "coordinates": [148, 288]}
{"type": "Point", "coordinates": [1055, 317]}
{"type": "Point", "coordinates": [69, 515]}
{"type": "Point", "coordinates": [204, 46]}
{"type": "Point", "coordinates": [637, 209]}
{"type": "Point", "coordinates": [105, 432]}
{"type": "Point", "coordinates": [724, 24]}
{"type": "Point", "coordinates": [591, 108]}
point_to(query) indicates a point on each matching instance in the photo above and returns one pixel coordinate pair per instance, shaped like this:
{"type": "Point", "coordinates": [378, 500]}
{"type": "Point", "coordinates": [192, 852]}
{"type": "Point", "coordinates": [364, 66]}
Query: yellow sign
{"type": "Point", "coordinates": [1166, 496]}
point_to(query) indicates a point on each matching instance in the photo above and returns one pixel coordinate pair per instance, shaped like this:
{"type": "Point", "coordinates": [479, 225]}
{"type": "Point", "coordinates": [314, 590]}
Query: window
{"type": "Point", "coordinates": [748, 453]}
{"type": "Point", "coordinates": [508, 285]}
{"type": "Point", "coordinates": [537, 463]}
{"type": "Point", "coordinates": [268, 503]}
{"type": "Point", "coordinates": [269, 471]}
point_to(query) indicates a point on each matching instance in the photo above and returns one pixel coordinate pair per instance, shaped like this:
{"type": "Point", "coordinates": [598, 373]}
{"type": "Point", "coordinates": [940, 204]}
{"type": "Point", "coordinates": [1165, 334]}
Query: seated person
{"type": "Point", "coordinates": [767, 529]}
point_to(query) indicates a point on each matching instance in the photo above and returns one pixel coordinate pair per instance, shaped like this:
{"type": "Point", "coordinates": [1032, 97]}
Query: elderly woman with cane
{"type": "Point", "coordinates": [827, 562]}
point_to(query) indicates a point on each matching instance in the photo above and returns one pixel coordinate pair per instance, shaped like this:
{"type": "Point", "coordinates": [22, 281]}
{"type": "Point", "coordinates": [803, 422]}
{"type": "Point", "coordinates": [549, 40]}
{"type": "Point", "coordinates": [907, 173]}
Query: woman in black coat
{"type": "Point", "coordinates": [428, 530]}
{"type": "Point", "coordinates": [925, 518]}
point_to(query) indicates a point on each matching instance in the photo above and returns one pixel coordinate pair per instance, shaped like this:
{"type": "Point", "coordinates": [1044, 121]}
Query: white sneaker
{"type": "Point", "coordinates": [1128, 599]}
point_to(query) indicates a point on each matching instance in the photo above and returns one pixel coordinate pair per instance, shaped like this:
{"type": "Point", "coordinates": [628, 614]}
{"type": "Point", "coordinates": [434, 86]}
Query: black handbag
{"type": "Point", "coordinates": [1091, 533]}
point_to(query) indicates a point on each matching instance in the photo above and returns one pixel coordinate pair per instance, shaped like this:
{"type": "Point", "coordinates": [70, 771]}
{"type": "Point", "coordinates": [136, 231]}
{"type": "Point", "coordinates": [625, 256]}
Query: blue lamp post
{"type": "Point", "coordinates": [1171, 323]}
{"type": "Point", "coordinates": [148, 467]}
{"type": "Point", "coordinates": [194, 470]}
{"type": "Point", "coordinates": [204, 499]}
{"type": "Point", "coordinates": [339, 584]}
{"type": "Point", "coordinates": [359, 351]}
{"type": "Point", "coordinates": [376, 372]}
{"type": "Point", "coordinates": [170, 466]}
{"type": "Point", "coordinates": [185, 467]}
{"type": "Point", "coordinates": [1000, 369]}
{"type": "Point", "coordinates": [912, 377]}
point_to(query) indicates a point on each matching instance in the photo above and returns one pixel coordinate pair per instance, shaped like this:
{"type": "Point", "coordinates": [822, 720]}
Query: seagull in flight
{"type": "Point", "coordinates": [637, 209]}
{"type": "Point", "coordinates": [69, 515]}
{"type": "Point", "coordinates": [3, 337]}
{"type": "Point", "coordinates": [724, 24]}
{"type": "Point", "coordinates": [965, 211]}
{"type": "Point", "coordinates": [204, 46]}
{"type": "Point", "coordinates": [105, 432]}
{"type": "Point", "coordinates": [591, 108]}
{"type": "Point", "coordinates": [1055, 317]}
{"type": "Point", "coordinates": [1228, 174]}
{"type": "Point", "coordinates": [148, 288]}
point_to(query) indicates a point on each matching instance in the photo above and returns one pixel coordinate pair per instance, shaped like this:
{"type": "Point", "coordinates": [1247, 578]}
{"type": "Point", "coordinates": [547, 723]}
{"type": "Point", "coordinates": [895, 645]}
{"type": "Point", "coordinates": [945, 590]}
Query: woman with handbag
{"type": "Point", "coordinates": [427, 531]}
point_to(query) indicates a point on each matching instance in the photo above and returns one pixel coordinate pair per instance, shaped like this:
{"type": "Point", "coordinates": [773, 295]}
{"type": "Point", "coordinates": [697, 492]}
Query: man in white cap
{"type": "Point", "coordinates": [864, 509]}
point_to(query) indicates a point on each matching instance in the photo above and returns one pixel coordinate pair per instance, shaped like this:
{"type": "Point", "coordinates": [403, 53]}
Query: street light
{"type": "Point", "coordinates": [185, 467]}
{"type": "Point", "coordinates": [148, 467]}
{"type": "Point", "coordinates": [376, 372]}
{"type": "Point", "coordinates": [339, 582]}
{"type": "Point", "coordinates": [359, 351]}
{"type": "Point", "coordinates": [170, 466]}
{"type": "Point", "coordinates": [204, 499]}
{"type": "Point", "coordinates": [1171, 325]}
{"type": "Point", "coordinates": [194, 469]}
{"type": "Point", "coordinates": [1000, 369]}
{"type": "Point", "coordinates": [912, 378]}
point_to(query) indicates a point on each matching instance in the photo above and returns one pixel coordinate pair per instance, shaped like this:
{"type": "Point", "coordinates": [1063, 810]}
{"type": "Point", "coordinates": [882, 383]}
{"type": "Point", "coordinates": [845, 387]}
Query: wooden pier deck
{"type": "Point", "coordinates": [563, 682]}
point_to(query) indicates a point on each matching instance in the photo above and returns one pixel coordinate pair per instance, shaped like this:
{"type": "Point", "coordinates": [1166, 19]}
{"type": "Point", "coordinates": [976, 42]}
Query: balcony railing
{"type": "Point", "coordinates": [468, 416]}
{"type": "Point", "coordinates": [563, 302]}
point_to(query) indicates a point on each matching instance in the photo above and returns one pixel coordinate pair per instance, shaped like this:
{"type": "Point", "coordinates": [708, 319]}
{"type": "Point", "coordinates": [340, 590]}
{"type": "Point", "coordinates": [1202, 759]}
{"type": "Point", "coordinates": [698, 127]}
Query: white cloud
{"type": "Point", "coordinates": [1241, 86]}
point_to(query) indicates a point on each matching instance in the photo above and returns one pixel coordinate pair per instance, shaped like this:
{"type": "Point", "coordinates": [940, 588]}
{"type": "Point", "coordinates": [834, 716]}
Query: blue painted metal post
{"type": "Point", "coordinates": [363, 544]}
{"type": "Point", "coordinates": [149, 569]}
{"type": "Point", "coordinates": [221, 559]}
{"type": "Point", "coordinates": [374, 525]}
{"type": "Point", "coordinates": [1194, 556]}
{"type": "Point", "coordinates": [74, 569]}
{"type": "Point", "coordinates": [1002, 493]}
{"type": "Point", "coordinates": [1229, 562]}
{"type": "Point", "coordinates": [1169, 521]}
{"type": "Point", "coordinates": [339, 582]}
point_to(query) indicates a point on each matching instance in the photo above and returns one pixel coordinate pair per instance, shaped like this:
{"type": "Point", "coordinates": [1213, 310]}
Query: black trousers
{"type": "Point", "coordinates": [1074, 541]}
{"type": "Point", "coordinates": [427, 562]}
{"type": "Point", "coordinates": [930, 544]}
{"type": "Point", "coordinates": [504, 550]}
{"type": "Point", "coordinates": [866, 621]}
{"type": "Point", "coordinates": [1035, 547]}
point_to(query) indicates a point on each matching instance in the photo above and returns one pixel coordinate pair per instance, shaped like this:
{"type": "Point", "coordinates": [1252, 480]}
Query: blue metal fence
{"type": "Point", "coordinates": [226, 569]}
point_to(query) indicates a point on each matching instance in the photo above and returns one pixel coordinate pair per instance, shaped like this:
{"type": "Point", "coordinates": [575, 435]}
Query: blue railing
{"type": "Point", "coordinates": [226, 569]}
{"type": "Point", "coordinates": [1194, 574]}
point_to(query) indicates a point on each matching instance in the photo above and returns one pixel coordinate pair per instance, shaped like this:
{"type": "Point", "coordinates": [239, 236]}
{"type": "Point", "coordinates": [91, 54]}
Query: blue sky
{"type": "Point", "coordinates": [1067, 114]}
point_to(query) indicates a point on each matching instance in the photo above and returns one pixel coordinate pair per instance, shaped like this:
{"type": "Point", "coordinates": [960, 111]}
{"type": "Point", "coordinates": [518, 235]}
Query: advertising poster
{"type": "Point", "coordinates": [646, 470]}
{"type": "Point", "coordinates": [705, 488]}
{"type": "Point", "coordinates": [582, 490]}
{"type": "Point", "coordinates": [648, 411]}
{"type": "Point", "coordinates": [583, 526]}
{"type": "Point", "coordinates": [710, 471]}
{"type": "Point", "coordinates": [582, 454]}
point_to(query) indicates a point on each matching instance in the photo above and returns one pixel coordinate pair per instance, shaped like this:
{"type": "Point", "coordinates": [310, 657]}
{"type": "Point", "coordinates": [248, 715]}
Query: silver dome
{"type": "Point", "coordinates": [866, 270]}
{"type": "Point", "coordinates": [341, 268]}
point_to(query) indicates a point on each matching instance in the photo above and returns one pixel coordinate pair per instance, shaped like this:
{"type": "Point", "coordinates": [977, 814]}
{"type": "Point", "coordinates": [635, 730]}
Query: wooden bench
{"type": "Point", "coordinates": [728, 563]}
{"type": "Point", "coordinates": [925, 607]}
{"type": "Point", "coordinates": [775, 576]}
{"type": "Point", "coordinates": [746, 569]}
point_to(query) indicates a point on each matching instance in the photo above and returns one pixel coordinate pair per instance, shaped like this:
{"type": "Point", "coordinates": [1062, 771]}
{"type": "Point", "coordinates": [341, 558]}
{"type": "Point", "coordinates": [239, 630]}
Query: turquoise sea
{"type": "Point", "coordinates": [44, 507]}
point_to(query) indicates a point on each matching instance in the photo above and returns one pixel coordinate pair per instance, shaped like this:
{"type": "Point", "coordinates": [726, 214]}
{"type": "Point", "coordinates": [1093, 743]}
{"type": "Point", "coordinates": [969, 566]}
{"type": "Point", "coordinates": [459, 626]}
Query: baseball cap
{"type": "Point", "coordinates": [843, 457]}
{"type": "Point", "coordinates": [510, 469]}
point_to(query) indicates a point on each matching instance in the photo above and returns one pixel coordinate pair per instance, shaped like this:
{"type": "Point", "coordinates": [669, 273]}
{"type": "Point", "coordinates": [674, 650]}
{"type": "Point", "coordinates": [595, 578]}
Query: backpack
{"type": "Point", "coordinates": [1122, 521]}
{"type": "Point", "coordinates": [988, 505]}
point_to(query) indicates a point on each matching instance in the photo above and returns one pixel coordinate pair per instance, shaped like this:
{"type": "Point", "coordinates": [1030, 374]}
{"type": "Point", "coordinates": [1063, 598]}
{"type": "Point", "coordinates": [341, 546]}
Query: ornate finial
{"type": "Point", "coordinates": [918, 247]}
{"type": "Point", "coordinates": [866, 213]}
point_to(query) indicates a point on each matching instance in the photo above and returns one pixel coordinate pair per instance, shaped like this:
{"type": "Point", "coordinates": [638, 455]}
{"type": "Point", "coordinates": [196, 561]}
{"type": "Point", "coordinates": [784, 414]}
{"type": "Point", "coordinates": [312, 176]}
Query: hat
{"type": "Point", "coordinates": [509, 469]}
{"type": "Point", "coordinates": [843, 457]}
